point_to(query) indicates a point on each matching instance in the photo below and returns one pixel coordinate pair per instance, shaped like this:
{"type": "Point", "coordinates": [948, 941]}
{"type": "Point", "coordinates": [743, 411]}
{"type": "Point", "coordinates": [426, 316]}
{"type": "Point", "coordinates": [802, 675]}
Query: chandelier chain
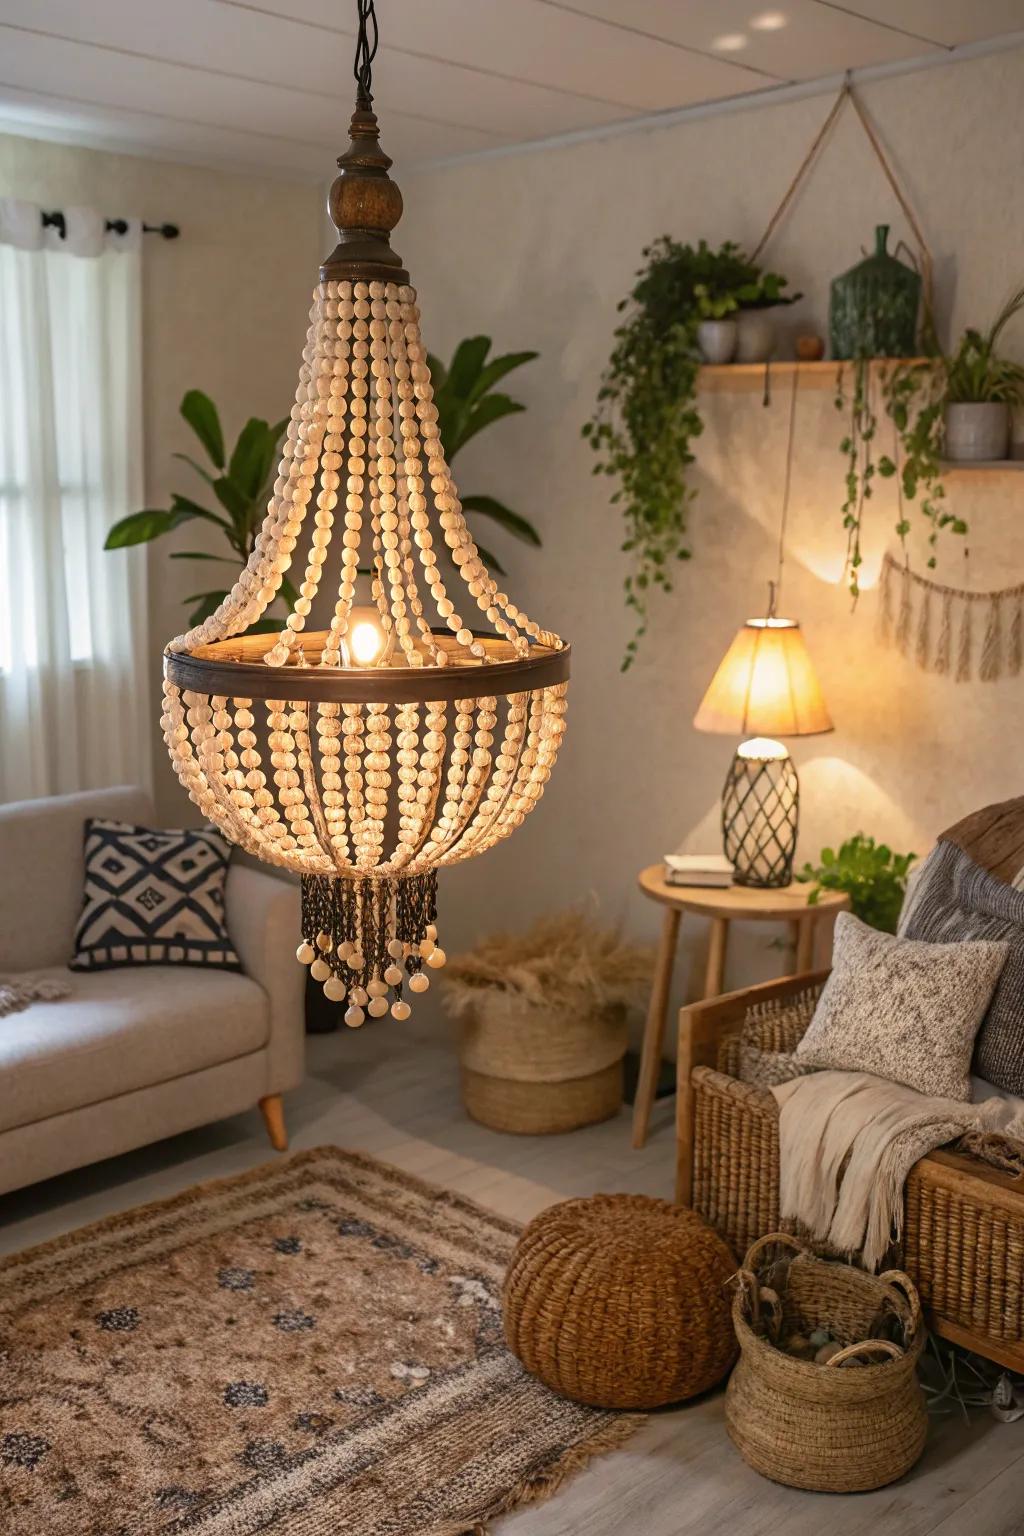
{"type": "Point", "coordinates": [367, 39]}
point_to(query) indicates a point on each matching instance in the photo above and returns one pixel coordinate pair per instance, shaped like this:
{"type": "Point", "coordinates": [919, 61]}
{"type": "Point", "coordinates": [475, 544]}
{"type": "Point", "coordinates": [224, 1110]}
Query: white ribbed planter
{"type": "Point", "coordinates": [977, 430]}
{"type": "Point", "coordinates": [717, 340]}
{"type": "Point", "coordinates": [756, 335]}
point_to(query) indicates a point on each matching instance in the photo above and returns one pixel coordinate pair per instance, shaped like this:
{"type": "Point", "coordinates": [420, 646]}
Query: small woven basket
{"type": "Point", "coordinates": [535, 1072]}
{"type": "Point", "coordinates": [858, 1422]}
{"type": "Point", "coordinates": [620, 1301]}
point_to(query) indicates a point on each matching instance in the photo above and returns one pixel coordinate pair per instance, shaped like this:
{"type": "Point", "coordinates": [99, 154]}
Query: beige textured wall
{"type": "Point", "coordinates": [536, 249]}
{"type": "Point", "coordinates": [225, 310]}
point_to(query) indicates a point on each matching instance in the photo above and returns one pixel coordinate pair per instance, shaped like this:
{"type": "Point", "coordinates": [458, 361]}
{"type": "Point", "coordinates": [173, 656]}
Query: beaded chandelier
{"type": "Point", "coordinates": [367, 755]}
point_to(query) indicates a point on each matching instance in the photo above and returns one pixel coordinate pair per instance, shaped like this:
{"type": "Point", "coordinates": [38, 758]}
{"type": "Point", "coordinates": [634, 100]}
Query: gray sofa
{"type": "Point", "coordinates": [142, 1052]}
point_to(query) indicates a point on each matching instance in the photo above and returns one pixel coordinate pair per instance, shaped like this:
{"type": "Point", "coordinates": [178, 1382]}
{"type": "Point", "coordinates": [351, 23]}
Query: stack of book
{"type": "Point", "coordinates": [711, 869]}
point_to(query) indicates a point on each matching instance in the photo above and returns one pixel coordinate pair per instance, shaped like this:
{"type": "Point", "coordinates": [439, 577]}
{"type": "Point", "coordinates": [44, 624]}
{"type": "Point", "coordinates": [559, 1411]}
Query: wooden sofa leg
{"type": "Point", "coordinates": [272, 1111]}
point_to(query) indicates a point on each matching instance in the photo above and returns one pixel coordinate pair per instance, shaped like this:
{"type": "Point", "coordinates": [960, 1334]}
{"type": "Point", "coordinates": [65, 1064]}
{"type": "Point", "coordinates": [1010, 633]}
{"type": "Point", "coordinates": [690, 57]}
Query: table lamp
{"type": "Point", "coordinates": [765, 687]}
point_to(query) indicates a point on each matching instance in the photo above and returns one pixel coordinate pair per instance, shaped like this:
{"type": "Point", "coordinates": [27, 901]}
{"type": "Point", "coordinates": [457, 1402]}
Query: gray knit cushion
{"type": "Point", "coordinates": [955, 898]}
{"type": "Point", "coordinates": [901, 1009]}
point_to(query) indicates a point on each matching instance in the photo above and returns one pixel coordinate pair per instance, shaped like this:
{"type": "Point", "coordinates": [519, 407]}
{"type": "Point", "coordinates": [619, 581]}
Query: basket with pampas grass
{"type": "Point", "coordinates": [543, 1017]}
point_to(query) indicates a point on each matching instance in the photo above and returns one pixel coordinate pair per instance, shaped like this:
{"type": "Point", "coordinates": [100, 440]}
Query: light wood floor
{"type": "Point", "coordinates": [393, 1092]}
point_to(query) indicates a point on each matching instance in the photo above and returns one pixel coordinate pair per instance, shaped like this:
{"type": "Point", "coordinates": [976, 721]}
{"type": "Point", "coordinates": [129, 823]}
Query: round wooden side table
{"type": "Point", "coordinates": [748, 903]}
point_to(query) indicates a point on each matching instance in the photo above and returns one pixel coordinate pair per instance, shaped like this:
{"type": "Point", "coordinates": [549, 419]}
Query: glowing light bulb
{"type": "Point", "coordinates": [367, 642]}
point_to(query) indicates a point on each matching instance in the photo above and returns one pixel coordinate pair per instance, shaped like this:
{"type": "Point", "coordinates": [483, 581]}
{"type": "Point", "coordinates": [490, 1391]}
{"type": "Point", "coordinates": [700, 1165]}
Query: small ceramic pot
{"type": "Point", "coordinates": [977, 430]}
{"type": "Point", "coordinates": [717, 340]}
{"type": "Point", "coordinates": [756, 335]}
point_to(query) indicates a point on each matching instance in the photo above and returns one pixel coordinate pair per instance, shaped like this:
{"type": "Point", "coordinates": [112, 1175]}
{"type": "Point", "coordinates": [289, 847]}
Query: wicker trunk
{"type": "Point", "coordinates": [528, 1070]}
{"type": "Point", "coordinates": [963, 1239]}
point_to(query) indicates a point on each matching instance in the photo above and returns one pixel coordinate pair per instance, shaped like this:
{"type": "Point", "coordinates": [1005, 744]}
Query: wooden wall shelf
{"type": "Point", "coordinates": [983, 466]}
{"type": "Point", "coordinates": [746, 378]}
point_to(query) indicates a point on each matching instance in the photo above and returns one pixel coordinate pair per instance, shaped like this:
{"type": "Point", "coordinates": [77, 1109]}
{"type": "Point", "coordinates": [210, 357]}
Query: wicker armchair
{"type": "Point", "coordinates": [963, 1241]}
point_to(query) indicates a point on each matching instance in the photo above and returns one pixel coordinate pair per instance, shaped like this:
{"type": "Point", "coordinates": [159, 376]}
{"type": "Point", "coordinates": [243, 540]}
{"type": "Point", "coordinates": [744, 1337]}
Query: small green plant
{"type": "Point", "coordinates": [646, 420]}
{"type": "Point", "coordinates": [467, 402]}
{"type": "Point", "coordinates": [241, 483]}
{"type": "Point", "coordinates": [874, 878]}
{"type": "Point", "coordinates": [975, 371]}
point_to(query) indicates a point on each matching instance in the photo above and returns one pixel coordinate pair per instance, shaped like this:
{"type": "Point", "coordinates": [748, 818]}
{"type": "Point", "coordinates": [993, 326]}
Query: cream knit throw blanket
{"type": "Point", "coordinates": [883, 1129]}
{"type": "Point", "coordinates": [17, 992]}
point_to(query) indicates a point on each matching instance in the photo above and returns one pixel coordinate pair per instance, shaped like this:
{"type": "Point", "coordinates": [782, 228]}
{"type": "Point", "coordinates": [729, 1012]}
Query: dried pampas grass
{"type": "Point", "coordinates": [562, 962]}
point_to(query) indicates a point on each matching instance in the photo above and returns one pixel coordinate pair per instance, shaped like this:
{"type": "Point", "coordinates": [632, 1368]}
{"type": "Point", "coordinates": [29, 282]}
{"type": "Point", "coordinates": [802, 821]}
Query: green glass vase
{"type": "Point", "coordinates": [873, 307]}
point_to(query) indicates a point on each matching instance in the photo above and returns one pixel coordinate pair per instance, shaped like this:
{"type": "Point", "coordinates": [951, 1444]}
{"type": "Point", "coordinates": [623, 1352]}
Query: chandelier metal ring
{"type": "Point", "coordinates": [234, 668]}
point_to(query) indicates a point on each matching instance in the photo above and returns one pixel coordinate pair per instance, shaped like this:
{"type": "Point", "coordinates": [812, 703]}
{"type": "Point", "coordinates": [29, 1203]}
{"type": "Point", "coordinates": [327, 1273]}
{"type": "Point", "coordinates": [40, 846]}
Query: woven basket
{"type": "Point", "coordinates": [619, 1301]}
{"type": "Point", "coordinates": [532, 1072]}
{"type": "Point", "coordinates": [858, 1422]}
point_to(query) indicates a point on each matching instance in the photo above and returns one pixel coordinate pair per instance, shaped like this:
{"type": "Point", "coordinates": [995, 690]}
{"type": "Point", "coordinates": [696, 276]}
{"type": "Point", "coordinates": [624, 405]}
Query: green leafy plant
{"type": "Point", "coordinates": [975, 372]}
{"type": "Point", "coordinates": [467, 402]}
{"type": "Point", "coordinates": [874, 878]}
{"type": "Point", "coordinates": [645, 422]}
{"type": "Point", "coordinates": [241, 483]}
{"type": "Point", "coordinates": [915, 396]}
{"type": "Point", "coordinates": [915, 401]}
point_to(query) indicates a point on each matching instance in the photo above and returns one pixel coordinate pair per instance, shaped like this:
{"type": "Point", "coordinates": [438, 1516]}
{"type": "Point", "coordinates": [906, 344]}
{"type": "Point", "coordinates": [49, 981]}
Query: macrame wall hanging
{"type": "Point", "coordinates": [957, 634]}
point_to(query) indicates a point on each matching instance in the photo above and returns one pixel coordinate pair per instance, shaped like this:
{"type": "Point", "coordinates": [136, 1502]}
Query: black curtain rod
{"type": "Point", "coordinates": [116, 226]}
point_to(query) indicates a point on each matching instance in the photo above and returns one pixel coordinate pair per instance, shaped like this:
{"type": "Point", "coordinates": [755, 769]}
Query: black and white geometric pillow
{"type": "Point", "coordinates": [152, 898]}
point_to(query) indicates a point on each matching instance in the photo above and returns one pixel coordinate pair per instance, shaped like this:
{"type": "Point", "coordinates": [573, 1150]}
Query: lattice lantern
{"type": "Point", "coordinates": [400, 739]}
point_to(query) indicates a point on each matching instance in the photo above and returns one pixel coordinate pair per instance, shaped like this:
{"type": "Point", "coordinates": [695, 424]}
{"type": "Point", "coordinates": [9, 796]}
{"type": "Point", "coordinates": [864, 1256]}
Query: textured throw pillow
{"type": "Point", "coordinates": [152, 898]}
{"type": "Point", "coordinates": [956, 899]}
{"type": "Point", "coordinates": [901, 1009]}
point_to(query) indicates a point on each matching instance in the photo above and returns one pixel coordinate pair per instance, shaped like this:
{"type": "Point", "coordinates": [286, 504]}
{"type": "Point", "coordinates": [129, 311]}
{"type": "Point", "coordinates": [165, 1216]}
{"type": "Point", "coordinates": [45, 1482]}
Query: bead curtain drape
{"type": "Point", "coordinates": [74, 702]}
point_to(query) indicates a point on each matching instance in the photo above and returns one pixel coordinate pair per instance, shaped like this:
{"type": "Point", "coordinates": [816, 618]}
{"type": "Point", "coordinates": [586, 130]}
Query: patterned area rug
{"type": "Point", "coordinates": [310, 1348]}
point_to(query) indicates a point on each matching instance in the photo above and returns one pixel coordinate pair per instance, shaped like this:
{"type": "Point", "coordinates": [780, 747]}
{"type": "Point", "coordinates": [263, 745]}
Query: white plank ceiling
{"type": "Point", "coordinates": [266, 84]}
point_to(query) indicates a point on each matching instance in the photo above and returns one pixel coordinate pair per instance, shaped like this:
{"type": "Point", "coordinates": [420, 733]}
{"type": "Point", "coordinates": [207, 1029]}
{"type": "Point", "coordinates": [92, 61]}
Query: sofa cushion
{"type": "Point", "coordinates": [121, 1030]}
{"type": "Point", "coordinates": [152, 897]}
{"type": "Point", "coordinates": [901, 1009]}
{"type": "Point", "coordinates": [41, 866]}
{"type": "Point", "coordinates": [956, 899]}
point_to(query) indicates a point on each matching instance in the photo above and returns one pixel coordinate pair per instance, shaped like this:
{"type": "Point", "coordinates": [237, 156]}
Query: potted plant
{"type": "Point", "coordinates": [543, 1020]}
{"type": "Point", "coordinates": [874, 878]}
{"type": "Point", "coordinates": [241, 483]}
{"type": "Point", "coordinates": [716, 329]}
{"type": "Point", "coordinates": [756, 331]}
{"type": "Point", "coordinates": [646, 419]}
{"type": "Point", "coordinates": [980, 389]}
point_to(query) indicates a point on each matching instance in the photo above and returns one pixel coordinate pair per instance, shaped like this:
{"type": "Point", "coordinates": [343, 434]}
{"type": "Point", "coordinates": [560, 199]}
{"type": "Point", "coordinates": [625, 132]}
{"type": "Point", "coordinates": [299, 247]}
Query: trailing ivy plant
{"type": "Point", "coordinates": [645, 423]}
{"type": "Point", "coordinates": [913, 398]}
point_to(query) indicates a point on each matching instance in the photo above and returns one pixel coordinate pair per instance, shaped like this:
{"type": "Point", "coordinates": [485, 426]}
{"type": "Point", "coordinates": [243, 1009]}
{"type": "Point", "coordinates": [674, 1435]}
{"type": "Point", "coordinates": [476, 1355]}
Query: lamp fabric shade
{"type": "Point", "coordinates": [765, 685]}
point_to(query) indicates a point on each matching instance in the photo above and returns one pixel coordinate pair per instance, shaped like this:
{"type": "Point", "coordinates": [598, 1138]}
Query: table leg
{"type": "Point", "coordinates": [714, 976]}
{"type": "Point", "coordinates": [805, 932]}
{"type": "Point", "coordinates": [654, 1029]}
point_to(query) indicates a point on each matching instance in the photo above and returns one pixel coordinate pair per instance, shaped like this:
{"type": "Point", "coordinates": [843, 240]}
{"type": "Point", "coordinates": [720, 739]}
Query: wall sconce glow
{"type": "Point", "coordinates": [770, 21]}
{"type": "Point", "coordinates": [730, 42]}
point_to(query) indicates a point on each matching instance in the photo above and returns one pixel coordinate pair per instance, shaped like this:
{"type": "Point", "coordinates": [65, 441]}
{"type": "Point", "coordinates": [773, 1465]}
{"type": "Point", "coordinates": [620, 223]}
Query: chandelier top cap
{"type": "Point", "coordinates": [365, 205]}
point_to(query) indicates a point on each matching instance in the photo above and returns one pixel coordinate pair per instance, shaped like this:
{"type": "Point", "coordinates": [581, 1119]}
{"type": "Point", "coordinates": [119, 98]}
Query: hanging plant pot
{"type": "Point", "coordinates": [756, 335]}
{"type": "Point", "coordinates": [977, 429]}
{"type": "Point", "coordinates": [717, 340]}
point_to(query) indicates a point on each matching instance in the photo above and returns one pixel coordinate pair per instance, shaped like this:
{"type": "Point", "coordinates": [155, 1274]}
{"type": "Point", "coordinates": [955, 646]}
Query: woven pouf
{"type": "Point", "coordinates": [619, 1301]}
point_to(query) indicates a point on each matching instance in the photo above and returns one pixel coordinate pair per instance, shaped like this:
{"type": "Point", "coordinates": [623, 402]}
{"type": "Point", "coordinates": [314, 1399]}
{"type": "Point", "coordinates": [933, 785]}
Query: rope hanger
{"type": "Point", "coordinates": [848, 94]}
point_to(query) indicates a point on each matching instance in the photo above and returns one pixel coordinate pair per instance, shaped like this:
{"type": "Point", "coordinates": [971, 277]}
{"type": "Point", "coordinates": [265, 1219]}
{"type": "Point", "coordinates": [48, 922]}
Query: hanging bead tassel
{"type": "Point", "coordinates": [905, 615]}
{"type": "Point", "coordinates": [944, 644]}
{"type": "Point", "coordinates": [921, 644]}
{"type": "Point", "coordinates": [1015, 639]}
{"type": "Point", "coordinates": [357, 935]}
{"type": "Point", "coordinates": [963, 654]}
{"type": "Point", "coordinates": [885, 606]}
{"type": "Point", "coordinates": [991, 665]}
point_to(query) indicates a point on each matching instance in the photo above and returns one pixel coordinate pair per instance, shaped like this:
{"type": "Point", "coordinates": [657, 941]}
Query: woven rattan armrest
{"type": "Point", "coordinates": [701, 1027]}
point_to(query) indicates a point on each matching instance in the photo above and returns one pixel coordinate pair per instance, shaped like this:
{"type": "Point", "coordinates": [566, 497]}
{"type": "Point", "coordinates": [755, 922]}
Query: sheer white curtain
{"type": "Point", "coordinates": [74, 706]}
